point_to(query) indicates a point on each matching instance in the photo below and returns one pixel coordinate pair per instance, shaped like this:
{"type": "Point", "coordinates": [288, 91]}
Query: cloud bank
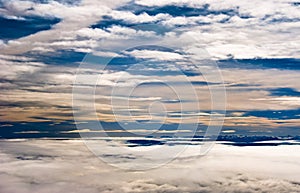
{"type": "Point", "coordinates": [67, 165]}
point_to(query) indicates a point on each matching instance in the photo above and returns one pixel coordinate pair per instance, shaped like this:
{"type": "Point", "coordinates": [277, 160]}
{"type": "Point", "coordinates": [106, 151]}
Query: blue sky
{"type": "Point", "coordinates": [256, 46]}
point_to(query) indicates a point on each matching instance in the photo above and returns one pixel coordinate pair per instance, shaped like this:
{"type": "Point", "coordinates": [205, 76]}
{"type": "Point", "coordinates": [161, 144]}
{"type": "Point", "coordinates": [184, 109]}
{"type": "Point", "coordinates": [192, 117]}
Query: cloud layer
{"type": "Point", "coordinates": [58, 165]}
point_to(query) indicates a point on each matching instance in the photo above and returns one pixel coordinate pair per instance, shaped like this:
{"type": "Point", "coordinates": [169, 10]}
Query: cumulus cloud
{"type": "Point", "coordinates": [194, 20]}
{"type": "Point", "coordinates": [87, 13]}
{"type": "Point", "coordinates": [248, 31]}
{"type": "Point", "coordinates": [141, 18]}
{"type": "Point", "coordinates": [255, 9]}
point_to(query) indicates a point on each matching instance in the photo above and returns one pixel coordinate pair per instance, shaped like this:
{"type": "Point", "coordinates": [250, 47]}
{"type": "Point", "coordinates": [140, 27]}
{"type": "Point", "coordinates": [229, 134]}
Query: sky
{"type": "Point", "coordinates": [149, 86]}
{"type": "Point", "coordinates": [183, 62]}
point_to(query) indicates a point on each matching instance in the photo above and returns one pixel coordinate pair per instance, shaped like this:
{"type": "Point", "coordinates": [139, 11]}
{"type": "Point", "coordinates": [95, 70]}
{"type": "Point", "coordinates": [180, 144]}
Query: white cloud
{"type": "Point", "coordinates": [293, 102]}
{"type": "Point", "coordinates": [141, 18]}
{"type": "Point", "coordinates": [67, 165]}
{"type": "Point", "coordinates": [92, 33]}
{"type": "Point", "coordinates": [125, 31]}
{"type": "Point", "coordinates": [194, 20]}
{"type": "Point", "coordinates": [228, 131]}
{"type": "Point", "coordinates": [157, 55]}
{"type": "Point", "coordinates": [254, 8]}
{"type": "Point", "coordinates": [87, 13]}
{"type": "Point", "coordinates": [240, 37]}
{"type": "Point", "coordinates": [173, 2]}
{"type": "Point", "coordinates": [14, 69]}
{"type": "Point", "coordinates": [256, 36]}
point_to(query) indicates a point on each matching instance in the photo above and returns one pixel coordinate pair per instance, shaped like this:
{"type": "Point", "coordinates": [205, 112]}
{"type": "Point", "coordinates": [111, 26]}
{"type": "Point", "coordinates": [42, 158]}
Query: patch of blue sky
{"type": "Point", "coordinates": [266, 63]}
{"type": "Point", "coordinates": [275, 114]}
{"type": "Point", "coordinates": [249, 131]}
{"type": "Point", "coordinates": [296, 3]}
{"type": "Point", "coordinates": [67, 129]}
{"type": "Point", "coordinates": [59, 57]}
{"type": "Point", "coordinates": [275, 19]}
{"type": "Point", "coordinates": [108, 22]}
{"type": "Point", "coordinates": [42, 128]}
{"type": "Point", "coordinates": [17, 28]}
{"type": "Point", "coordinates": [67, 2]}
{"type": "Point", "coordinates": [284, 92]}
{"type": "Point", "coordinates": [175, 11]}
{"type": "Point", "coordinates": [152, 47]}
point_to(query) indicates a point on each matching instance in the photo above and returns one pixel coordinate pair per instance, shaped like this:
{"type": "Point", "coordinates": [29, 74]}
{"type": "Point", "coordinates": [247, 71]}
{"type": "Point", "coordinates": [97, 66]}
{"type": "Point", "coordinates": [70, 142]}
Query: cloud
{"type": "Point", "coordinates": [232, 29]}
{"type": "Point", "coordinates": [228, 131]}
{"type": "Point", "coordinates": [251, 9]}
{"type": "Point", "coordinates": [56, 165]}
{"type": "Point", "coordinates": [87, 13]}
{"type": "Point", "coordinates": [130, 17]}
{"type": "Point", "coordinates": [195, 20]}
{"type": "Point", "coordinates": [157, 55]}
{"type": "Point", "coordinates": [174, 2]}
{"type": "Point", "coordinates": [16, 66]}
